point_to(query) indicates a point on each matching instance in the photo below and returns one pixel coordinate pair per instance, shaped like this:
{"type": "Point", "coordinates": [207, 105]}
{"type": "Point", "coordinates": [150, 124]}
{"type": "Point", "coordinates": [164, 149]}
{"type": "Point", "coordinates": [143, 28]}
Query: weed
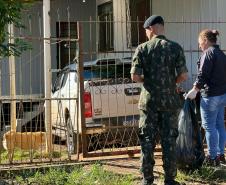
{"type": "Point", "coordinates": [204, 175]}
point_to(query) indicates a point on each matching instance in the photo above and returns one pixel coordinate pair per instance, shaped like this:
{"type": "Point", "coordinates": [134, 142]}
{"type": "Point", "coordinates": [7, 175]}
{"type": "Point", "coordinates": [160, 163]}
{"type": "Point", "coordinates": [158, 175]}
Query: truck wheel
{"type": "Point", "coordinates": [71, 138]}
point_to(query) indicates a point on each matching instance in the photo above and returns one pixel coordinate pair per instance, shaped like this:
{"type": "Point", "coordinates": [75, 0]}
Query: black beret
{"type": "Point", "coordinates": [152, 20]}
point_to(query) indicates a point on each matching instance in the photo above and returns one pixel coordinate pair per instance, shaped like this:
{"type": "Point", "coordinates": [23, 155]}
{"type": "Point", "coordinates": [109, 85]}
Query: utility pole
{"type": "Point", "coordinates": [47, 73]}
{"type": "Point", "coordinates": [12, 80]}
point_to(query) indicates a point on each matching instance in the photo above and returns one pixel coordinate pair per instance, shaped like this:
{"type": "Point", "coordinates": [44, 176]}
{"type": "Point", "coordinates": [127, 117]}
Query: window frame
{"type": "Point", "coordinates": [66, 49]}
{"type": "Point", "coordinates": [133, 38]}
{"type": "Point", "coordinates": [105, 27]}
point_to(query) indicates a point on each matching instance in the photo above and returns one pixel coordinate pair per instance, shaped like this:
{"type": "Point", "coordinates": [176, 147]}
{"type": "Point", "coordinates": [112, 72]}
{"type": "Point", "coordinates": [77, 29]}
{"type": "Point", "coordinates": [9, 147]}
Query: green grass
{"type": "Point", "coordinates": [210, 174]}
{"type": "Point", "coordinates": [20, 155]}
{"type": "Point", "coordinates": [95, 174]}
{"type": "Point", "coordinates": [207, 175]}
{"type": "Point", "coordinates": [203, 175]}
{"type": "Point", "coordinates": [74, 176]}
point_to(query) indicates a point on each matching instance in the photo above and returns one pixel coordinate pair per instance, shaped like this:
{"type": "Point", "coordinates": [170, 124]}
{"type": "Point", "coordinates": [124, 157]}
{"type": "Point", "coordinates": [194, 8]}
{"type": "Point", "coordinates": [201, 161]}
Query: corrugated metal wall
{"type": "Point", "coordinates": [185, 19]}
{"type": "Point", "coordinates": [29, 67]}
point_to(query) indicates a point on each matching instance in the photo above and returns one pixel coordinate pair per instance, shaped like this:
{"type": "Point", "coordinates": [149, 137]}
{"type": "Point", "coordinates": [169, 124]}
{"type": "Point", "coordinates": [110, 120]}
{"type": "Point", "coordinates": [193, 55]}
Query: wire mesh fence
{"type": "Point", "coordinates": [109, 124]}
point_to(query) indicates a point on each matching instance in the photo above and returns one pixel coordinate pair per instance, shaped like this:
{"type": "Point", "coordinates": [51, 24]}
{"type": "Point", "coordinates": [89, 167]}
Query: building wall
{"type": "Point", "coordinates": [73, 11]}
{"type": "Point", "coordinates": [185, 19]}
{"type": "Point", "coordinates": [29, 67]}
{"type": "Point", "coordinates": [121, 30]}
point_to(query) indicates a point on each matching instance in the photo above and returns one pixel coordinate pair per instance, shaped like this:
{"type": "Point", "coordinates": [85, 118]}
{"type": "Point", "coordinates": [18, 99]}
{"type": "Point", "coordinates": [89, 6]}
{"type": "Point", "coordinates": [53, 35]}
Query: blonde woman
{"type": "Point", "coordinates": [211, 82]}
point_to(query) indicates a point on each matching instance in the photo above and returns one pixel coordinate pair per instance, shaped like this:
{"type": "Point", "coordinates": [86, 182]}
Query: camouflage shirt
{"type": "Point", "coordinates": [160, 61]}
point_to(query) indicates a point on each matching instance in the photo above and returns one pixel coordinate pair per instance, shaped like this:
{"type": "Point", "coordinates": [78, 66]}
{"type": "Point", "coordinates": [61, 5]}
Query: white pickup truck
{"type": "Point", "coordinates": [110, 97]}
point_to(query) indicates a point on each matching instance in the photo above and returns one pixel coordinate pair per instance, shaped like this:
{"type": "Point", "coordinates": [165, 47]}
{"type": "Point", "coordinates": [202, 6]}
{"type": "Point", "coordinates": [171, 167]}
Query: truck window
{"type": "Point", "coordinates": [110, 71]}
{"type": "Point", "coordinates": [57, 83]}
{"type": "Point", "coordinates": [64, 80]}
{"type": "Point", "coordinates": [75, 77]}
{"type": "Point", "coordinates": [60, 81]}
{"type": "Point", "coordinates": [89, 74]}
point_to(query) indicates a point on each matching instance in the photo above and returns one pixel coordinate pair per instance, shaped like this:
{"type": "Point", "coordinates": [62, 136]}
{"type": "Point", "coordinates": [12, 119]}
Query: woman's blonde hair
{"type": "Point", "coordinates": [210, 35]}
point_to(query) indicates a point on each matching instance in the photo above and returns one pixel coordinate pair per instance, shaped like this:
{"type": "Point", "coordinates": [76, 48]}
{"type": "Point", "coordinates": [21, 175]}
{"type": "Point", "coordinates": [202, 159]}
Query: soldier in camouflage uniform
{"type": "Point", "coordinates": [159, 63]}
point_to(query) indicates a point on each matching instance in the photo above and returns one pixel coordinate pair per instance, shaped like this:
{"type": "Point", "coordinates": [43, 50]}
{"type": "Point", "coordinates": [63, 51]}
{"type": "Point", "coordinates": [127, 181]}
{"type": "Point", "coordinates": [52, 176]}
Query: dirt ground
{"type": "Point", "coordinates": [132, 166]}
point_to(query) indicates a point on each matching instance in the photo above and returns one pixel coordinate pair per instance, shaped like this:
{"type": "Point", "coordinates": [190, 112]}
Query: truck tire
{"type": "Point", "coordinates": [71, 137]}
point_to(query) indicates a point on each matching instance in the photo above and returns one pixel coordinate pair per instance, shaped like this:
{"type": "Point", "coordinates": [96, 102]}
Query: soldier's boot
{"type": "Point", "coordinates": [147, 181]}
{"type": "Point", "coordinates": [171, 182]}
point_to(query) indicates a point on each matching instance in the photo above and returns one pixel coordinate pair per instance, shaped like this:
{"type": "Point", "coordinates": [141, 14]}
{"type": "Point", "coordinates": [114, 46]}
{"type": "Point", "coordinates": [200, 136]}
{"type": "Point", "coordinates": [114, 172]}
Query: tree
{"type": "Point", "coordinates": [10, 13]}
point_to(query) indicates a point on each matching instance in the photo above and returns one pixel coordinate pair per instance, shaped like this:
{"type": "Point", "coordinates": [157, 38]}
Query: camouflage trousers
{"type": "Point", "coordinates": [152, 125]}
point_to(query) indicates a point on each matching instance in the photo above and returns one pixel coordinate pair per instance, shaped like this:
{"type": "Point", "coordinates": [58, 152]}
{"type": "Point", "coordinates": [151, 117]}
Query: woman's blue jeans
{"type": "Point", "coordinates": [212, 114]}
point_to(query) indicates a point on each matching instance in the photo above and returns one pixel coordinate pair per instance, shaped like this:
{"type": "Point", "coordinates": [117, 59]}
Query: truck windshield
{"type": "Point", "coordinates": [58, 82]}
{"type": "Point", "coordinates": [61, 81]}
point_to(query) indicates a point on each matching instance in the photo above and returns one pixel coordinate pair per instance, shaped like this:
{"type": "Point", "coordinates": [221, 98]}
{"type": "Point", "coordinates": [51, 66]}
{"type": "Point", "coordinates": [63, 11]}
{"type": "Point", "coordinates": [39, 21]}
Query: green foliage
{"type": "Point", "coordinates": [10, 13]}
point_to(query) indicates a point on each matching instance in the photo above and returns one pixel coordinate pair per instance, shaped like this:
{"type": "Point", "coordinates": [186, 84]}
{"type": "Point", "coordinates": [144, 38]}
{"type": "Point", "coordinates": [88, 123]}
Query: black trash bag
{"type": "Point", "coordinates": [189, 146]}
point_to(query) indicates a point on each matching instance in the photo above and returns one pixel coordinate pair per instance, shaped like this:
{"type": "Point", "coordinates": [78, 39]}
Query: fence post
{"type": "Point", "coordinates": [81, 90]}
{"type": "Point", "coordinates": [12, 81]}
{"type": "Point", "coordinates": [47, 74]}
